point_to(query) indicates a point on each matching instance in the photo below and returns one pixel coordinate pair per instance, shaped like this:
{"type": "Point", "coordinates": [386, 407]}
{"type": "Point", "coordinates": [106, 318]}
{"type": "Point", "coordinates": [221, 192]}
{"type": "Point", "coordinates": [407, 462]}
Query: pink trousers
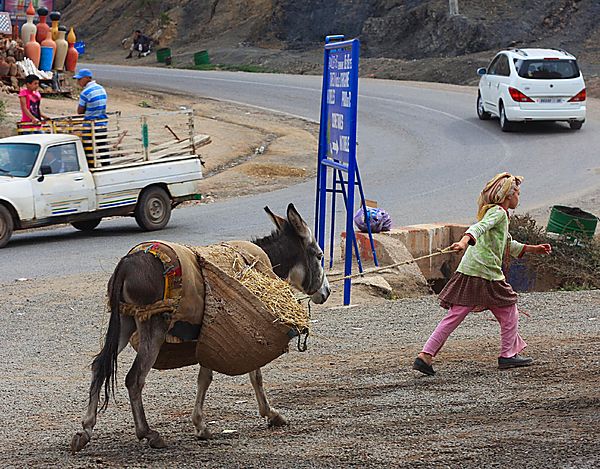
{"type": "Point", "coordinates": [511, 342]}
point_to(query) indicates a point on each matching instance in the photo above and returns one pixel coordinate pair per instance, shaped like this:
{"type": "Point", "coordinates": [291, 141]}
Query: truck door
{"type": "Point", "coordinates": [65, 188]}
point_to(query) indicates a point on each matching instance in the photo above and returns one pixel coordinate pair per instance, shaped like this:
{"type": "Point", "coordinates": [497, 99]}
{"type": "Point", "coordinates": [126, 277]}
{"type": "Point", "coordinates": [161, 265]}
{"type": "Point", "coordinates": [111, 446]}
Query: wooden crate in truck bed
{"type": "Point", "coordinates": [121, 140]}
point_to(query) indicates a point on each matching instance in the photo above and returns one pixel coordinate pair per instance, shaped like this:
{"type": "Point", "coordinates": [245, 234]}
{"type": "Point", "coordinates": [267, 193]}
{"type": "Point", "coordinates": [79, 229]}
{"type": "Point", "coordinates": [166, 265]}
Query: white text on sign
{"type": "Point", "coordinates": [346, 99]}
{"type": "Point", "coordinates": [337, 121]}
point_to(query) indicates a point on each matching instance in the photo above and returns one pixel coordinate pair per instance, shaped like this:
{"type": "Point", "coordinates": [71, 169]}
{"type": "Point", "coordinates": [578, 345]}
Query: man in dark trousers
{"type": "Point", "coordinates": [141, 44]}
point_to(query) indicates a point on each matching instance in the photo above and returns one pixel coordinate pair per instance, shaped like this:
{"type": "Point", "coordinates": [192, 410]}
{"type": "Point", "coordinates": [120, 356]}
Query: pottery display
{"type": "Point", "coordinates": [48, 42]}
{"type": "Point", "coordinates": [28, 28]}
{"type": "Point", "coordinates": [61, 49]}
{"type": "Point", "coordinates": [72, 54]}
{"type": "Point", "coordinates": [42, 26]}
{"type": "Point", "coordinates": [55, 17]}
{"type": "Point", "coordinates": [33, 50]}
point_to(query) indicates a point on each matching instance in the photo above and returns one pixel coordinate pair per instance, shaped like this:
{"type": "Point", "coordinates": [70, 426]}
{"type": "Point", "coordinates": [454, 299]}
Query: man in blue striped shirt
{"type": "Point", "coordinates": [92, 104]}
{"type": "Point", "coordinates": [92, 100]}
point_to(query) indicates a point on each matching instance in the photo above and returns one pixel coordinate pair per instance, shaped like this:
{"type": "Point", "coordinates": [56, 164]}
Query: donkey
{"type": "Point", "coordinates": [138, 279]}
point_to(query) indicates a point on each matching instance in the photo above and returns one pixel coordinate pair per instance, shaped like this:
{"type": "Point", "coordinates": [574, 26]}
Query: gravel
{"type": "Point", "coordinates": [352, 400]}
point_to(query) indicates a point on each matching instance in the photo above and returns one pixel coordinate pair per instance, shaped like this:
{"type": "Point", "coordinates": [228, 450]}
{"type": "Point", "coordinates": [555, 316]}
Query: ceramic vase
{"type": "Point", "coordinates": [55, 17]}
{"type": "Point", "coordinates": [48, 42]}
{"type": "Point", "coordinates": [42, 26]}
{"type": "Point", "coordinates": [33, 50]}
{"type": "Point", "coordinates": [61, 49]}
{"type": "Point", "coordinates": [72, 54]}
{"type": "Point", "coordinates": [28, 28]}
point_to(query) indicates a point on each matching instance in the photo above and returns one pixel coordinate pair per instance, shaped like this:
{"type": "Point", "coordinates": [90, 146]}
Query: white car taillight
{"type": "Point", "coordinates": [519, 97]}
{"type": "Point", "coordinates": [581, 96]}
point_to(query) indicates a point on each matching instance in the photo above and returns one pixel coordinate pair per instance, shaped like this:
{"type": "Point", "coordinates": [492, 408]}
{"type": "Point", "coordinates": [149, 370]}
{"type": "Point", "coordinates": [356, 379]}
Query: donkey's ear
{"type": "Point", "coordinates": [298, 223]}
{"type": "Point", "coordinates": [276, 219]}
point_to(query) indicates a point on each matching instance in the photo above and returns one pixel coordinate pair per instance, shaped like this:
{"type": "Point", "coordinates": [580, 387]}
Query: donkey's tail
{"type": "Point", "coordinates": [104, 366]}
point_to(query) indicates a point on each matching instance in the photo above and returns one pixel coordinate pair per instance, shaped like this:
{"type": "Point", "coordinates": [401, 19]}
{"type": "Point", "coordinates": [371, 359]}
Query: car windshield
{"type": "Point", "coordinates": [17, 159]}
{"type": "Point", "coordinates": [544, 69]}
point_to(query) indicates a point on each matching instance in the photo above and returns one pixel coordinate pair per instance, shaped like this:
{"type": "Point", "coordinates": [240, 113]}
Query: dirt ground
{"type": "Point", "coordinates": [251, 151]}
{"type": "Point", "coordinates": [352, 400]}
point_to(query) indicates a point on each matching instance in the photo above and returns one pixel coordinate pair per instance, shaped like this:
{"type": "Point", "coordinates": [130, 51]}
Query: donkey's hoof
{"type": "Point", "coordinates": [277, 420]}
{"type": "Point", "coordinates": [204, 434]}
{"type": "Point", "coordinates": [156, 441]}
{"type": "Point", "coordinates": [79, 440]}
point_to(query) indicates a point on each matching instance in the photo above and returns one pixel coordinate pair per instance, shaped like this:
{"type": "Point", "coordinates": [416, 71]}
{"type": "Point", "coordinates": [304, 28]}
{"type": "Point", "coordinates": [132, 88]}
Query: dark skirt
{"type": "Point", "coordinates": [477, 292]}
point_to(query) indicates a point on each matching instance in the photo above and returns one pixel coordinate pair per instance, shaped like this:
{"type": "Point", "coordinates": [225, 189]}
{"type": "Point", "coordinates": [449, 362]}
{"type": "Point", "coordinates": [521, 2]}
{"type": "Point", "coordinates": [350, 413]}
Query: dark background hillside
{"type": "Point", "coordinates": [287, 34]}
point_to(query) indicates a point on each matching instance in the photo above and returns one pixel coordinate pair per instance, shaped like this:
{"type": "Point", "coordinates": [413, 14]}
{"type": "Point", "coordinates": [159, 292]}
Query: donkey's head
{"type": "Point", "coordinates": [295, 254]}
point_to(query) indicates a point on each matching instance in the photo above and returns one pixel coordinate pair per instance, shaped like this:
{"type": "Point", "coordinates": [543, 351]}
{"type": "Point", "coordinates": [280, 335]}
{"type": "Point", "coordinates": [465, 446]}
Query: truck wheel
{"type": "Point", "coordinates": [7, 225]}
{"type": "Point", "coordinates": [153, 209]}
{"type": "Point", "coordinates": [87, 225]}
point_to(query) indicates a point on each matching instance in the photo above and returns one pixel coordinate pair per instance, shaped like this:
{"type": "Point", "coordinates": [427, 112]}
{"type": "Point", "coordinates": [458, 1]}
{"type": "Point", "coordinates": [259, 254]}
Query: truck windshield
{"type": "Point", "coordinates": [545, 69]}
{"type": "Point", "coordinates": [17, 159]}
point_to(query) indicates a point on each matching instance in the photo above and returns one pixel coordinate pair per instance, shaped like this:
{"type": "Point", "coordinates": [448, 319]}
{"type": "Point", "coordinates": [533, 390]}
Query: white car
{"type": "Point", "coordinates": [522, 85]}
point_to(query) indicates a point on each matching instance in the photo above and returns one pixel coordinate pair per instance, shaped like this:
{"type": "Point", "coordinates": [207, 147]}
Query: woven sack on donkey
{"type": "Point", "coordinates": [248, 314]}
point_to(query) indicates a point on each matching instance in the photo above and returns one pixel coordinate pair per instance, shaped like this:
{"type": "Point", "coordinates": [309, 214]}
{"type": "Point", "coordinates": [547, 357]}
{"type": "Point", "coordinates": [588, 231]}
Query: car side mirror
{"type": "Point", "coordinates": [481, 71]}
{"type": "Point", "coordinates": [44, 169]}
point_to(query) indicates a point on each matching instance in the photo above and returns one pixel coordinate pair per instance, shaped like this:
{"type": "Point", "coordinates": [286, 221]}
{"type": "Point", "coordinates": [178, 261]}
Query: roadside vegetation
{"type": "Point", "coordinates": [573, 264]}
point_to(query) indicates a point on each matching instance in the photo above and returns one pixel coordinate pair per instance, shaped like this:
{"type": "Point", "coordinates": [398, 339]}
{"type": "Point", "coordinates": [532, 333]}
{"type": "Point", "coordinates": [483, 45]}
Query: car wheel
{"type": "Point", "coordinates": [87, 225]}
{"type": "Point", "coordinates": [576, 125]}
{"type": "Point", "coordinates": [481, 112]}
{"type": "Point", "coordinates": [505, 124]}
{"type": "Point", "coordinates": [153, 209]}
{"type": "Point", "coordinates": [7, 225]}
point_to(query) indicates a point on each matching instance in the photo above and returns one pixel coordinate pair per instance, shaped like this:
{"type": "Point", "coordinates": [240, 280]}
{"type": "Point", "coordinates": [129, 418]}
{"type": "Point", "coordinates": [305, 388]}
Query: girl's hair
{"type": "Point", "coordinates": [31, 78]}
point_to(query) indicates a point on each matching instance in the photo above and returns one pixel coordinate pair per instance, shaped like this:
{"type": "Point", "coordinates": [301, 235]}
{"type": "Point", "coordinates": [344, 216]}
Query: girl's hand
{"type": "Point", "coordinates": [460, 246]}
{"type": "Point", "coordinates": [541, 249]}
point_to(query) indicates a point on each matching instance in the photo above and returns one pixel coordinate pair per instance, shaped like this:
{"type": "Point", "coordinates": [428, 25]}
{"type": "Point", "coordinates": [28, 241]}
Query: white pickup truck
{"type": "Point", "coordinates": [45, 180]}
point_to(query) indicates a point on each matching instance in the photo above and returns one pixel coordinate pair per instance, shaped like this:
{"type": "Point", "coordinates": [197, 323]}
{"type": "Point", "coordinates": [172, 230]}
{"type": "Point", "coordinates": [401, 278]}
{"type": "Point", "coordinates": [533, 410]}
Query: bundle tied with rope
{"type": "Point", "coordinates": [243, 313]}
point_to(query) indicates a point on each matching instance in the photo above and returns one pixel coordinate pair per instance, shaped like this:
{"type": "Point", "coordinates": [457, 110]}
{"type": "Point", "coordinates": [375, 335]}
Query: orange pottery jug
{"type": "Point", "coordinates": [33, 50]}
{"type": "Point", "coordinates": [42, 26]}
{"type": "Point", "coordinates": [72, 54]}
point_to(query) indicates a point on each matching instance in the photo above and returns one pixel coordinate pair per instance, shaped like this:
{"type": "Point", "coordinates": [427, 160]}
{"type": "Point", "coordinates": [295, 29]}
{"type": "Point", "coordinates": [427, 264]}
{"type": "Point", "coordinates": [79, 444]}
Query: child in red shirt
{"type": "Point", "coordinates": [30, 99]}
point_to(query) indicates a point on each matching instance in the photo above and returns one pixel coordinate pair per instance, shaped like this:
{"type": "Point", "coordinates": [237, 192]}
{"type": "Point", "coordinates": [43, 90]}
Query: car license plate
{"type": "Point", "coordinates": [550, 100]}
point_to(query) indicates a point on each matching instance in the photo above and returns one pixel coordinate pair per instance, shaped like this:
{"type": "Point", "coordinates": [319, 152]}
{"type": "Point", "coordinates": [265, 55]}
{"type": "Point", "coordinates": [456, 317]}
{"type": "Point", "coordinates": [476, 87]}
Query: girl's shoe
{"type": "Point", "coordinates": [514, 362]}
{"type": "Point", "coordinates": [423, 367]}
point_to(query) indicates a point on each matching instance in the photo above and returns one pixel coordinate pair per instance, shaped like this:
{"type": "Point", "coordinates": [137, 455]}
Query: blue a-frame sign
{"type": "Point", "coordinates": [337, 147]}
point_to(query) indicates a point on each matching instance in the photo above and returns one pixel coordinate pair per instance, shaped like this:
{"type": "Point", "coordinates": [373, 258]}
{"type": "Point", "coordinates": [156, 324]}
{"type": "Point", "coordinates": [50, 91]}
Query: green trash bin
{"type": "Point", "coordinates": [163, 54]}
{"type": "Point", "coordinates": [201, 58]}
{"type": "Point", "coordinates": [571, 221]}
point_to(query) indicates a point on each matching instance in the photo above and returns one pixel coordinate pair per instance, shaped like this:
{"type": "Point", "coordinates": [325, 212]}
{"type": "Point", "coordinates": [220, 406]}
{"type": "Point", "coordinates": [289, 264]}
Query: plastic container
{"type": "Point", "coordinates": [80, 47]}
{"type": "Point", "coordinates": [201, 58]}
{"type": "Point", "coordinates": [520, 277]}
{"type": "Point", "coordinates": [46, 57]}
{"type": "Point", "coordinates": [162, 54]}
{"type": "Point", "coordinates": [571, 221]}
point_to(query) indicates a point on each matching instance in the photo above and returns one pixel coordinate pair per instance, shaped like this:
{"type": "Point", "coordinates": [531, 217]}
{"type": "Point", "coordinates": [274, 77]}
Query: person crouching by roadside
{"type": "Point", "coordinates": [479, 283]}
{"type": "Point", "coordinates": [141, 44]}
{"type": "Point", "coordinates": [30, 100]}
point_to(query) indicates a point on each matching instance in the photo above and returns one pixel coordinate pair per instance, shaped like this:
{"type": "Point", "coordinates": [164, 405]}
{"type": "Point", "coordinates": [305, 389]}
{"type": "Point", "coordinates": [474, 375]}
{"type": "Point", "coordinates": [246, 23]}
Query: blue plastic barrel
{"type": "Point", "coordinates": [46, 58]}
{"type": "Point", "coordinates": [80, 47]}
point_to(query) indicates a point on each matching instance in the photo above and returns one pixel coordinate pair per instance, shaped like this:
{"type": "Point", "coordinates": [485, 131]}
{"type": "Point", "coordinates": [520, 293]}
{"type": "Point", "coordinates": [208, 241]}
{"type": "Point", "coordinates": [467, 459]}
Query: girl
{"type": "Point", "coordinates": [30, 99]}
{"type": "Point", "coordinates": [479, 283]}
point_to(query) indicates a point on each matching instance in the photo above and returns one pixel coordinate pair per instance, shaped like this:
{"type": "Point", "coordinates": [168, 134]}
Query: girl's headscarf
{"type": "Point", "coordinates": [496, 190]}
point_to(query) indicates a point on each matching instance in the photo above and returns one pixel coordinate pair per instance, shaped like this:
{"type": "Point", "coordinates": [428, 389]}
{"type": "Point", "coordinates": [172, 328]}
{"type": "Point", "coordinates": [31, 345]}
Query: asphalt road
{"type": "Point", "coordinates": [423, 155]}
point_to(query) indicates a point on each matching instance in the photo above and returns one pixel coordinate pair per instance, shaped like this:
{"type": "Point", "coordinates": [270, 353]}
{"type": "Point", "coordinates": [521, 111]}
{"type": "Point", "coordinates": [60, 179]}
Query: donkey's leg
{"type": "Point", "coordinates": [205, 377]}
{"type": "Point", "coordinates": [82, 438]}
{"type": "Point", "coordinates": [275, 418]}
{"type": "Point", "coordinates": [152, 335]}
